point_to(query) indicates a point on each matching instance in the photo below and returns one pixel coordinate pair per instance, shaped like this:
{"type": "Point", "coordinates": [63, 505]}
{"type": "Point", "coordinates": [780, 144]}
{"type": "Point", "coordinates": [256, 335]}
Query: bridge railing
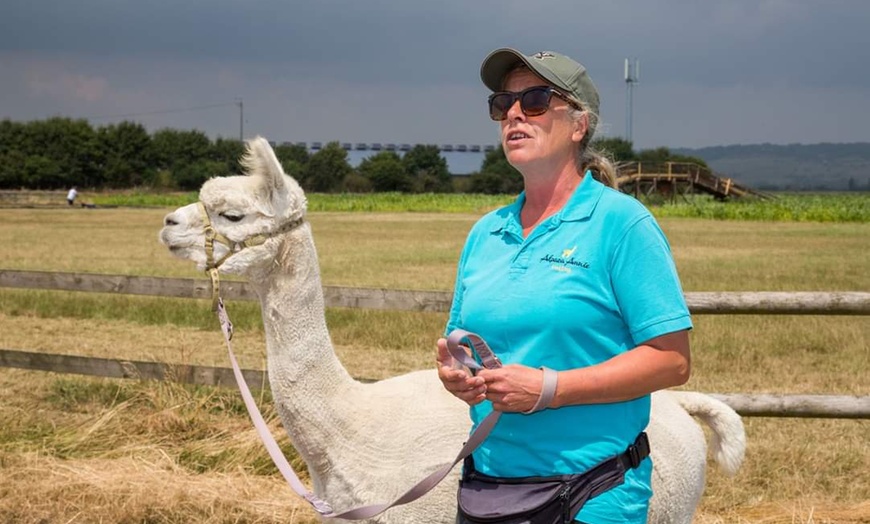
{"type": "Point", "coordinates": [684, 173]}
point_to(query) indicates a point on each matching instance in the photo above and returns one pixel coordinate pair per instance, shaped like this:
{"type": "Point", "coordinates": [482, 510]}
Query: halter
{"type": "Point", "coordinates": [212, 236]}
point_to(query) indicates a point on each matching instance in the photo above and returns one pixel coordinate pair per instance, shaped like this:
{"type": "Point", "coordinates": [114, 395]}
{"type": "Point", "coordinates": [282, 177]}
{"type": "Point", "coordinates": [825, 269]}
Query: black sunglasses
{"type": "Point", "coordinates": [534, 101]}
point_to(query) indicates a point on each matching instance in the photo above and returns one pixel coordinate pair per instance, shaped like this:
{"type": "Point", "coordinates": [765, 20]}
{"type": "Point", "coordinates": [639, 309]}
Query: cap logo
{"type": "Point", "coordinates": [543, 54]}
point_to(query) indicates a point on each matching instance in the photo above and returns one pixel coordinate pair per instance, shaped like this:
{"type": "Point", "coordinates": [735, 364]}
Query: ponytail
{"type": "Point", "coordinates": [589, 159]}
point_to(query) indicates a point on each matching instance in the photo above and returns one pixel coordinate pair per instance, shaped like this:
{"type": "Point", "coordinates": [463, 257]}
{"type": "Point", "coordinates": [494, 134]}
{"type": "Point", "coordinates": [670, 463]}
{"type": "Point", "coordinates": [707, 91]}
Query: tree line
{"type": "Point", "coordinates": [60, 152]}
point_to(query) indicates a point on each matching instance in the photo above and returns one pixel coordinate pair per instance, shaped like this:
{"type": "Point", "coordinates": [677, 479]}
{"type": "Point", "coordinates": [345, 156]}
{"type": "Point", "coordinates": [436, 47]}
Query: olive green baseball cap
{"type": "Point", "coordinates": [556, 69]}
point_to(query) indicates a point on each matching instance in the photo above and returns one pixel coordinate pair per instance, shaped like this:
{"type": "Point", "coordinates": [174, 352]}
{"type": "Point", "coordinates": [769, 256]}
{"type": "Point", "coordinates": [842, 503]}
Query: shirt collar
{"type": "Point", "coordinates": [579, 206]}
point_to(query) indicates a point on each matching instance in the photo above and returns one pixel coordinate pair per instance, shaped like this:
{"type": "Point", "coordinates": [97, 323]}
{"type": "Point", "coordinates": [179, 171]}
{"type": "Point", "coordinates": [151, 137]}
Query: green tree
{"type": "Point", "coordinates": [690, 159]}
{"type": "Point", "coordinates": [355, 182]}
{"type": "Point", "coordinates": [294, 159]}
{"type": "Point", "coordinates": [618, 149]}
{"type": "Point", "coordinates": [327, 170]}
{"type": "Point", "coordinates": [292, 153]}
{"type": "Point", "coordinates": [496, 175]}
{"type": "Point", "coordinates": [192, 175]}
{"type": "Point", "coordinates": [42, 172]}
{"type": "Point", "coordinates": [12, 136]}
{"type": "Point", "coordinates": [386, 172]}
{"type": "Point", "coordinates": [12, 172]}
{"type": "Point", "coordinates": [663, 154]}
{"type": "Point", "coordinates": [227, 151]}
{"type": "Point", "coordinates": [128, 154]}
{"type": "Point", "coordinates": [12, 157]}
{"type": "Point", "coordinates": [659, 154]}
{"type": "Point", "coordinates": [71, 145]}
{"type": "Point", "coordinates": [428, 169]}
{"type": "Point", "coordinates": [185, 156]}
{"type": "Point", "coordinates": [173, 148]}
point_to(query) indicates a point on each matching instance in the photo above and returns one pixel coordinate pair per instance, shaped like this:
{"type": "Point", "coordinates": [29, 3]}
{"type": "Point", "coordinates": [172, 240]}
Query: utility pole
{"type": "Point", "coordinates": [241, 119]}
{"type": "Point", "coordinates": [632, 76]}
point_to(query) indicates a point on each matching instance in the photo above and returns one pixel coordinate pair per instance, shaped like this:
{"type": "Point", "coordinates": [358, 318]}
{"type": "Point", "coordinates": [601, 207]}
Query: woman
{"type": "Point", "coordinates": [574, 276]}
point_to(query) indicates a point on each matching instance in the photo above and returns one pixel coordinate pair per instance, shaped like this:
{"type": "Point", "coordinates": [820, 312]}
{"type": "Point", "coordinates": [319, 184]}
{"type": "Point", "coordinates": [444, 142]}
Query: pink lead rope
{"type": "Point", "coordinates": [488, 359]}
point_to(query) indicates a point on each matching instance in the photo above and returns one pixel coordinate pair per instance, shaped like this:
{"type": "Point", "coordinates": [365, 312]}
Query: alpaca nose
{"type": "Point", "coordinates": [170, 220]}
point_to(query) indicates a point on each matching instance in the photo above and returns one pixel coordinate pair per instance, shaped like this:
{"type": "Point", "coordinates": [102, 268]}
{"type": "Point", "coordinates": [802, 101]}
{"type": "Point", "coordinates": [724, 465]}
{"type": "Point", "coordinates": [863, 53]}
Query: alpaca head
{"type": "Point", "coordinates": [246, 212]}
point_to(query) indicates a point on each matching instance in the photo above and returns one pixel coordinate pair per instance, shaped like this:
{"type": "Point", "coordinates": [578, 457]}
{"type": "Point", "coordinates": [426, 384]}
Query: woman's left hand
{"type": "Point", "coordinates": [513, 388]}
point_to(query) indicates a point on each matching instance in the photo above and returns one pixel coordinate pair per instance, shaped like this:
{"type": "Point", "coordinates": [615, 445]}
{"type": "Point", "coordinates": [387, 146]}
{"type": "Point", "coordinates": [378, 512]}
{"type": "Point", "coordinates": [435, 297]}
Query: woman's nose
{"type": "Point", "coordinates": [515, 111]}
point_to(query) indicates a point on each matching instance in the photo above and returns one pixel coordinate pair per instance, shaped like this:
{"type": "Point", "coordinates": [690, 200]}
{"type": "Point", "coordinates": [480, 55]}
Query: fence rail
{"type": "Point", "coordinates": [715, 303]}
{"type": "Point", "coordinates": [801, 406]}
{"type": "Point", "coordinates": [706, 303]}
{"type": "Point", "coordinates": [797, 406]}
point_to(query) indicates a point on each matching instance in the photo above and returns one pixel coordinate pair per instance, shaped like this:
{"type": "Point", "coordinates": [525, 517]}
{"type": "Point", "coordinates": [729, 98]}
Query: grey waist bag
{"type": "Point", "coordinates": [541, 500]}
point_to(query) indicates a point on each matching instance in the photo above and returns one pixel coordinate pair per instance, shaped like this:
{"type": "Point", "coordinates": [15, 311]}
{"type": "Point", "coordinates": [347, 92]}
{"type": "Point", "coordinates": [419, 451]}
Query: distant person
{"type": "Point", "coordinates": [575, 277]}
{"type": "Point", "coordinates": [71, 196]}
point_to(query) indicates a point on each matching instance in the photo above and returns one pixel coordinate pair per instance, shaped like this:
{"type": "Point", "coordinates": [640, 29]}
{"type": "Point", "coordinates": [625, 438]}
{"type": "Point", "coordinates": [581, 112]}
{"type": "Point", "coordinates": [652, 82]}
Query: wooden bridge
{"type": "Point", "coordinates": [672, 179]}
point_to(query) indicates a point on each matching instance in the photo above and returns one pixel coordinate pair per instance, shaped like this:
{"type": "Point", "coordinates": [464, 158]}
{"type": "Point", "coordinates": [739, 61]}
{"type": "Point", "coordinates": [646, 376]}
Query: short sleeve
{"type": "Point", "coordinates": [645, 282]}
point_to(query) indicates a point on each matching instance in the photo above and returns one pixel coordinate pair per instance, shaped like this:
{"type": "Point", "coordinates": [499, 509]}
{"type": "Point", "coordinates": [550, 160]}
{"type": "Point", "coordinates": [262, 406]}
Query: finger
{"type": "Point", "coordinates": [472, 396]}
{"type": "Point", "coordinates": [500, 405]}
{"type": "Point", "coordinates": [476, 400]}
{"type": "Point", "coordinates": [493, 378]}
{"type": "Point", "coordinates": [452, 375]}
{"type": "Point", "coordinates": [458, 381]}
{"type": "Point", "coordinates": [443, 356]}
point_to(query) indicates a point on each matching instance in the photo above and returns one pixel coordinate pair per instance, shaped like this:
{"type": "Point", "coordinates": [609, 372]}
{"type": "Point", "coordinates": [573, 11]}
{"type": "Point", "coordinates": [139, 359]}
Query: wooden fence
{"type": "Point", "coordinates": [801, 406]}
{"type": "Point", "coordinates": [700, 303]}
{"type": "Point", "coordinates": [772, 303]}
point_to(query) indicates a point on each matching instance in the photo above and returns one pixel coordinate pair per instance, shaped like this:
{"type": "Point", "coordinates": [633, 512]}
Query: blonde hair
{"type": "Point", "coordinates": [588, 158]}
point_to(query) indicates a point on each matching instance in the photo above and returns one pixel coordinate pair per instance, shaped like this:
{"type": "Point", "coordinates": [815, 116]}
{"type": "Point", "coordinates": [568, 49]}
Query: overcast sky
{"type": "Point", "coordinates": [714, 72]}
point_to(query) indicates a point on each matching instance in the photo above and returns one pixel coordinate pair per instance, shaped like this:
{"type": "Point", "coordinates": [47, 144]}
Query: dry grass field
{"type": "Point", "coordinates": [81, 450]}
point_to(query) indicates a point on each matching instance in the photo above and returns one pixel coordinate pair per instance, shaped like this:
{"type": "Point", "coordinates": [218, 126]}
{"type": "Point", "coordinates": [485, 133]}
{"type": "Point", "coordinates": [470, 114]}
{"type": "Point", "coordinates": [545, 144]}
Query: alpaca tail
{"type": "Point", "coordinates": [729, 437]}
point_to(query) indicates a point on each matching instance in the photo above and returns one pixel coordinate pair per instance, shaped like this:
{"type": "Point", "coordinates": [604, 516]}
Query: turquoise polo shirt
{"type": "Point", "coordinates": [592, 281]}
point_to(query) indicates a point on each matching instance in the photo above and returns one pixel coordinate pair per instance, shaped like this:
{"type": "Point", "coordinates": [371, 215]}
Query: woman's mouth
{"type": "Point", "coordinates": [516, 135]}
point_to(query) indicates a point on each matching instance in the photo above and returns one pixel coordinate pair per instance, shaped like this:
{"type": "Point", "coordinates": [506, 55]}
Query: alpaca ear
{"type": "Point", "coordinates": [260, 160]}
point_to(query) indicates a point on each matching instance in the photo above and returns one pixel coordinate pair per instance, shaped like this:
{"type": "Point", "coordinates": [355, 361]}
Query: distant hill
{"type": "Point", "coordinates": [814, 167]}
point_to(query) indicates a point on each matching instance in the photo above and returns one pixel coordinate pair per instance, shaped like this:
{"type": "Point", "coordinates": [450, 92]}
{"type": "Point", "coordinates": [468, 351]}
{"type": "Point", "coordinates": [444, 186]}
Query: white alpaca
{"type": "Point", "coordinates": [368, 443]}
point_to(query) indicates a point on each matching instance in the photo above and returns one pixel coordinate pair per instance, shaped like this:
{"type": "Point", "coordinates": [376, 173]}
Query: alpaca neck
{"type": "Point", "coordinates": [309, 385]}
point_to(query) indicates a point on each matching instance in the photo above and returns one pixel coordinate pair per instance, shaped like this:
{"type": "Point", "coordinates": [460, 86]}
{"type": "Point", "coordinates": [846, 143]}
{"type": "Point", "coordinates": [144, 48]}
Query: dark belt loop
{"type": "Point", "coordinates": [638, 450]}
{"type": "Point", "coordinates": [633, 456]}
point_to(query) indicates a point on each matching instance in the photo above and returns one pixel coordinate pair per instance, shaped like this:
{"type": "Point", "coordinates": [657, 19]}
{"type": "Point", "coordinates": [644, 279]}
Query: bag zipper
{"type": "Point", "coordinates": [566, 506]}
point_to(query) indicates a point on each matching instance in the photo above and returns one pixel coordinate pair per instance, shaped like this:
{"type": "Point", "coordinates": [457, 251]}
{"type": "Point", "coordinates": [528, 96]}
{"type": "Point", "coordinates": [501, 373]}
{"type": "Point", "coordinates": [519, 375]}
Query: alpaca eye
{"type": "Point", "coordinates": [232, 218]}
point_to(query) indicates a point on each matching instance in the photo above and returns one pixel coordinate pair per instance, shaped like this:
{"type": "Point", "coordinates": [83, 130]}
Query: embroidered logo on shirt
{"type": "Point", "coordinates": [565, 262]}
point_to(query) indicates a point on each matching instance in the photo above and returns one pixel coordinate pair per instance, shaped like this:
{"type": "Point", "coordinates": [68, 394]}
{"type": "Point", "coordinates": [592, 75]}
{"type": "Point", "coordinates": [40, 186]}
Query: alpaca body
{"type": "Point", "coordinates": [369, 443]}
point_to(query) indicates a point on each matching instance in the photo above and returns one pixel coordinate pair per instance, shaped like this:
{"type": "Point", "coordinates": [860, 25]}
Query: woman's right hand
{"type": "Point", "coordinates": [456, 378]}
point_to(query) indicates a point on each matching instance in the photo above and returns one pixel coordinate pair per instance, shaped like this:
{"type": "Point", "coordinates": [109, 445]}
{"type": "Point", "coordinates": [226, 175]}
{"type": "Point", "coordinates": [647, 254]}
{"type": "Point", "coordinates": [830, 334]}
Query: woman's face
{"type": "Point", "coordinates": [543, 141]}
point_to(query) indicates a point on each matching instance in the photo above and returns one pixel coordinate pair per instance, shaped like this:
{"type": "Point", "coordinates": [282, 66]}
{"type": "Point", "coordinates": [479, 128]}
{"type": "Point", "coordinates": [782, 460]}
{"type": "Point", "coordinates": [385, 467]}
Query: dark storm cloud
{"type": "Point", "coordinates": [711, 72]}
{"type": "Point", "coordinates": [348, 40]}
{"type": "Point", "coordinates": [709, 43]}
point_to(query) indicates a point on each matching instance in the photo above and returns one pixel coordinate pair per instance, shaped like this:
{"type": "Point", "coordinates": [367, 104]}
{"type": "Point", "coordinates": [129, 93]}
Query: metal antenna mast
{"type": "Point", "coordinates": [241, 119]}
{"type": "Point", "coordinates": [632, 76]}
